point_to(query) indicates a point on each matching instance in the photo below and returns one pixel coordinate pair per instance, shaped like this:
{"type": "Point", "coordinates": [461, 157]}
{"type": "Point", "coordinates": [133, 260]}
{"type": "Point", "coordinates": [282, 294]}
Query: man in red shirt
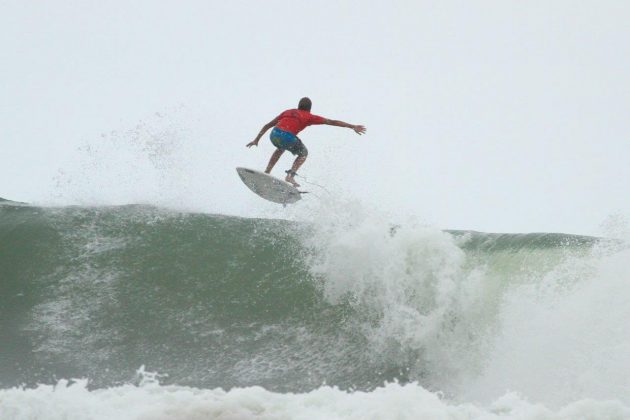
{"type": "Point", "coordinates": [284, 135]}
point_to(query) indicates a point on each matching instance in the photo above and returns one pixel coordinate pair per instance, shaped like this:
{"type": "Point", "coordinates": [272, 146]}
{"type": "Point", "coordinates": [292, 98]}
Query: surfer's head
{"type": "Point", "coordinates": [305, 104]}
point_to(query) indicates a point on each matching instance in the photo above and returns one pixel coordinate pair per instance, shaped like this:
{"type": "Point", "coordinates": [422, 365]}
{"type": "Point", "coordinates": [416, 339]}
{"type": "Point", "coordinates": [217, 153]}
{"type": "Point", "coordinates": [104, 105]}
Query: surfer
{"type": "Point", "coordinates": [286, 126]}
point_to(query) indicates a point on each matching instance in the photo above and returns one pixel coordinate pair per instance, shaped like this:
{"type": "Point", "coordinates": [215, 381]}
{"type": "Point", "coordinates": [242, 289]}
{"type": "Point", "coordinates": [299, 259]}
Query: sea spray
{"type": "Point", "coordinates": [565, 337]}
{"type": "Point", "coordinates": [457, 311]}
{"type": "Point", "coordinates": [406, 283]}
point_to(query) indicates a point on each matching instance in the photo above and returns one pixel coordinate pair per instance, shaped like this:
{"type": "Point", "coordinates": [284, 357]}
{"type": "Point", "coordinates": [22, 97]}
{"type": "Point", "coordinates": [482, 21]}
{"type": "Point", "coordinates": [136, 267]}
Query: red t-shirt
{"type": "Point", "coordinates": [296, 120]}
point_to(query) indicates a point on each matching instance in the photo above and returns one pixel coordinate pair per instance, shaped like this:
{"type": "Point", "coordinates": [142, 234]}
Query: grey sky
{"type": "Point", "coordinates": [487, 115]}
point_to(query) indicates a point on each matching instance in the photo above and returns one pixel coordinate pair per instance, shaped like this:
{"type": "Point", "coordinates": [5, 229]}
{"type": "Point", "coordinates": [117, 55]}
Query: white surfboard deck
{"type": "Point", "coordinates": [269, 187]}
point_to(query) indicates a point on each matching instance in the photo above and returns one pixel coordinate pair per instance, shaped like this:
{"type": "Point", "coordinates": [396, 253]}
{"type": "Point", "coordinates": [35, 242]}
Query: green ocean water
{"type": "Point", "coordinates": [219, 301]}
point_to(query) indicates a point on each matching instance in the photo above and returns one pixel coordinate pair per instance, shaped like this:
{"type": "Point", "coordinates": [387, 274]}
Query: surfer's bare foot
{"type": "Point", "coordinates": [290, 179]}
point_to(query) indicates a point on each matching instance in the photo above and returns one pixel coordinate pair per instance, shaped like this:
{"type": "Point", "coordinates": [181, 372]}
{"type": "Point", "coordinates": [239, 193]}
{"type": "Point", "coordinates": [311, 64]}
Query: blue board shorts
{"type": "Point", "coordinates": [288, 141]}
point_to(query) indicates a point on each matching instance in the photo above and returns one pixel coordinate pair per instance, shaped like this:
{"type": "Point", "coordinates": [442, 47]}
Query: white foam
{"type": "Point", "coordinates": [414, 299]}
{"type": "Point", "coordinates": [72, 400]}
{"type": "Point", "coordinates": [555, 330]}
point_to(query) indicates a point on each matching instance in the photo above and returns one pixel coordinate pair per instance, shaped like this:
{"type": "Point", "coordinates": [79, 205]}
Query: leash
{"type": "Point", "coordinates": [303, 178]}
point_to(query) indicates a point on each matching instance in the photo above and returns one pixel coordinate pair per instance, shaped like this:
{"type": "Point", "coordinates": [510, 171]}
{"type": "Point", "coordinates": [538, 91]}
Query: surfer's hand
{"type": "Point", "coordinates": [252, 143]}
{"type": "Point", "coordinates": [359, 129]}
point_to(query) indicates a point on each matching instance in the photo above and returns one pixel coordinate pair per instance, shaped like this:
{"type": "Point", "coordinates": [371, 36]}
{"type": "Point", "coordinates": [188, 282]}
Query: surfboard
{"type": "Point", "coordinates": [269, 187]}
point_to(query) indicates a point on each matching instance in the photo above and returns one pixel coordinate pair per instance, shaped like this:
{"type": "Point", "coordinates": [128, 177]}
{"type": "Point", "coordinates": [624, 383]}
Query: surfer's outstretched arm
{"type": "Point", "coordinates": [262, 132]}
{"type": "Point", "coordinates": [359, 129]}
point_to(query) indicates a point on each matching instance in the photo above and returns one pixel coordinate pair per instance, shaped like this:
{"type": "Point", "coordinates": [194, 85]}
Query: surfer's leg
{"type": "Point", "coordinates": [297, 148]}
{"type": "Point", "coordinates": [274, 158]}
{"type": "Point", "coordinates": [296, 165]}
{"type": "Point", "coordinates": [299, 160]}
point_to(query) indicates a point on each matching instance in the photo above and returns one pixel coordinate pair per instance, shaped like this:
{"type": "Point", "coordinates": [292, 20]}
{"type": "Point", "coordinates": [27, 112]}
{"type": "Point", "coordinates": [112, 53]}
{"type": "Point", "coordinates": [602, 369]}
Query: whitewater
{"type": "Point", "coordinates": [331, 312]}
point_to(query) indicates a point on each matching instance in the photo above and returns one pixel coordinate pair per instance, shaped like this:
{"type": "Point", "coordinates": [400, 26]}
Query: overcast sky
{"type": "Point", "coordinates": [508, 116]}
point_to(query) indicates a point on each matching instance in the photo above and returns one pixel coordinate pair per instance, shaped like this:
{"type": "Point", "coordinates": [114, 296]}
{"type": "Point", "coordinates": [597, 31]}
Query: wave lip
{"type": "Point", "coordinates": [5, 202]}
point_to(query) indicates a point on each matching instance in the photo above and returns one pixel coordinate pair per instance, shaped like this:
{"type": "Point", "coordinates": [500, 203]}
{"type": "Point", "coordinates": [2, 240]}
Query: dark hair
{"type": "Point", "coordinates": [305, 104]}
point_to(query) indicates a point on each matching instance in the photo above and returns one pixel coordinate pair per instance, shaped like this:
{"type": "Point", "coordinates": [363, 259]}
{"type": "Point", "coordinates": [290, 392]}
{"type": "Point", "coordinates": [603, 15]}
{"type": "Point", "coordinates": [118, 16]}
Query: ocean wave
{"type": "Point", "coordinates": [352, 302]}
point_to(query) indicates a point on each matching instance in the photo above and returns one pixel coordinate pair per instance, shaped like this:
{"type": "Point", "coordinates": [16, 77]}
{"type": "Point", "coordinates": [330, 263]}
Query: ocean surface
{"type": "Point", "coordinates": [140, 312]}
